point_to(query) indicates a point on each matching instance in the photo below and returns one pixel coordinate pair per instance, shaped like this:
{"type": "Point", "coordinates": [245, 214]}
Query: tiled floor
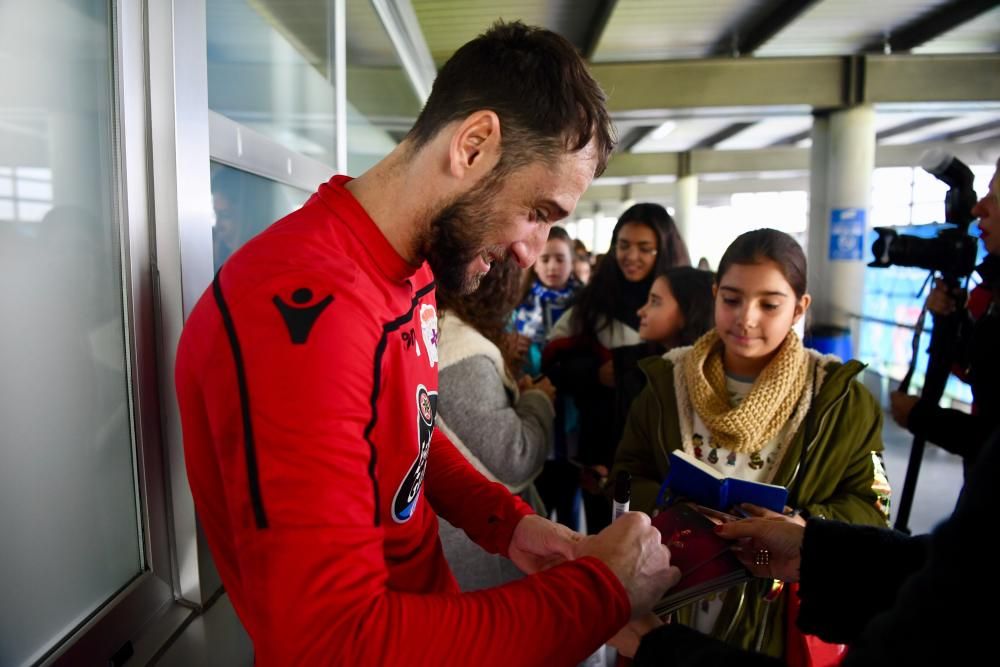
{"type": "Point", "coordinates": [216, 638]}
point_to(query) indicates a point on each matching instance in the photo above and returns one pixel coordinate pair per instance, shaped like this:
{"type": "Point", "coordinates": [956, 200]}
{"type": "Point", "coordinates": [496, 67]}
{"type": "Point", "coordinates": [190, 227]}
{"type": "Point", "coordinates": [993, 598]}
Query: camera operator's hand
{"type": "Point", "coordinates": [940, 301]}
{"type": "Point", "coordinates": [902, 404]}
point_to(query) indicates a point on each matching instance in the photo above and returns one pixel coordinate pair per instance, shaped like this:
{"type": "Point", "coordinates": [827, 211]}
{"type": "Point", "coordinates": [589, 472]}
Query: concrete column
{"type": "Point", "coordinates": [843, 159]}
{"type": "Point", "coordinates": [685, 202]}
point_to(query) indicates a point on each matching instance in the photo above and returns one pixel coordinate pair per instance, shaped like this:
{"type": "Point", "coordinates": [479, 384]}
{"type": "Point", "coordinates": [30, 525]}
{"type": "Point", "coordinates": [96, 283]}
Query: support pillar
{"type": "Point", "coordinates": [843, 159]}
{"type": "Point", "coordinates": [685, 203]}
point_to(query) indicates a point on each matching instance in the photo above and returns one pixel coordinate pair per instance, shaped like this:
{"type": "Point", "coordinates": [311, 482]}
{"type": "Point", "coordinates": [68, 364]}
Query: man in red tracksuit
{"type": "Point", "coordinates": [307, 382]}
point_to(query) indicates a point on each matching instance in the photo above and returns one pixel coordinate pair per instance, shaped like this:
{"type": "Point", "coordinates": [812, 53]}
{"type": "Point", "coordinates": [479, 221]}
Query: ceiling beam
{"type": "Point", "coordinates": [983, 129]}
{"type": "Point", "coordinates": [640, 166]}
{"type": "Point", "coordinates": [937, 78]}
{"type": "Point", "coordinates": [910, 126]}
{"type": "Point", "coordinates": [757, 30]}
{"type": "Point", "coordinates": [792, 139]}
{"type": "Point", "coordinates": [929, 26]}
{"type": "Point", "coordinates": [821, 82]}
{"type": "Point", "coordinates": [632, 136]}
{"type": "Point", "coordinates": [719, 136]}
{"type": "Point", "coordinates": [602, 14]}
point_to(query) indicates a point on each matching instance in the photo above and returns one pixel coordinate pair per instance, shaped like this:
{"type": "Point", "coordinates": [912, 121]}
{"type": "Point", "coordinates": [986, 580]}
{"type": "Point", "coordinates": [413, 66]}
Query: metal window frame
{"type": "Point", "coordinates": [148, 596]}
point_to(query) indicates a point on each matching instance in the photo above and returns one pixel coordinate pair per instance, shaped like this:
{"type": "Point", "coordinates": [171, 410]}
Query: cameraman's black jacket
{"type": "Point", "coordinates": [954, 430]}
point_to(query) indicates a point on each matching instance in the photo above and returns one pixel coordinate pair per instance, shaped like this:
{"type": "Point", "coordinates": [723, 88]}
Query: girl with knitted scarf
{"type": "Point", "coordinates": [749, 400]}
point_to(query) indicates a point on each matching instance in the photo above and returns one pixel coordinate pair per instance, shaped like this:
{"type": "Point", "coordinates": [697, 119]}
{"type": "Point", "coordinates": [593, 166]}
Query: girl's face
{"type": "Point", "coordinates": [660, 320]}
{"type": "Point", "coordinates": [755, 307]}
{"type": "Point", "coordinates": [635, 250]}
{"type": "Point", "coordinates": [554, 264]}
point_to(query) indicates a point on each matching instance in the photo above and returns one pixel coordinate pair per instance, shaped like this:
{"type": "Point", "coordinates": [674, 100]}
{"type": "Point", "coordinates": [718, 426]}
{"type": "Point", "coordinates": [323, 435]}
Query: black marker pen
{"type": "Point", "coordinates": [623, 494]}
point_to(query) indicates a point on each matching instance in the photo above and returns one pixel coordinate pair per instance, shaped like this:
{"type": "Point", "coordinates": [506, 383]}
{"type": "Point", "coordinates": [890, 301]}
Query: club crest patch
{"type": "Point", "coordinates": [429, 329]}
{"type": "Point", "coordinates": [404, 502]}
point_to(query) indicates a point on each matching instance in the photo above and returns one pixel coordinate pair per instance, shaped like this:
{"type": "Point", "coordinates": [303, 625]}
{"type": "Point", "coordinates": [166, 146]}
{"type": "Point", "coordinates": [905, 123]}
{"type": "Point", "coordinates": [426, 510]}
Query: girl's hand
{"type": "Point", "coordinates": [542, 384]}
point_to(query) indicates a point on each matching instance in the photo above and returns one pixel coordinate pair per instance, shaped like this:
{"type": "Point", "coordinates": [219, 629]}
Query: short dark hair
{"type": "Point", "coordinates": [763, 245]}
{"type": "Point", "coordinates": [692, 289]}
{"type": "Point", "coordinates": [536, 83]}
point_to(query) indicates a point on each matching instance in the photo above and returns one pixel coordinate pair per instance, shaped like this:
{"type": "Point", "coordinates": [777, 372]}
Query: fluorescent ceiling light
{"type": "Point", "coordinates": [663, 130]}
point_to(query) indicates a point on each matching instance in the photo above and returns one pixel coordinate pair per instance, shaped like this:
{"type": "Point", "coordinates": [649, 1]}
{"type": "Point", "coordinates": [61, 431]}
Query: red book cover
{"type": "Point", "coordinates": [706, 561]}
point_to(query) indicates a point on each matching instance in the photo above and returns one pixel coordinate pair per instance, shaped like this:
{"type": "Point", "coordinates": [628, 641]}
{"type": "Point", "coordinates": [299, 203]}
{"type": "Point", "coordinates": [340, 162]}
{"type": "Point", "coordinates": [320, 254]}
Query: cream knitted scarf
{"type": "Point", "coordinates": [770, 403]}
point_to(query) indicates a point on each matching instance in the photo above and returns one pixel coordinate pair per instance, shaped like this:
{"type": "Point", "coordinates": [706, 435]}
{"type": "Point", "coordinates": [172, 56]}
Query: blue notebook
{"type": "Point", "coordinates": [692, 479]}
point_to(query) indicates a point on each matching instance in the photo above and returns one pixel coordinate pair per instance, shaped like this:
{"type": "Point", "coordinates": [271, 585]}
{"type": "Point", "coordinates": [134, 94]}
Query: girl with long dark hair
{"type": "Point", "coordinates": [579, 359]}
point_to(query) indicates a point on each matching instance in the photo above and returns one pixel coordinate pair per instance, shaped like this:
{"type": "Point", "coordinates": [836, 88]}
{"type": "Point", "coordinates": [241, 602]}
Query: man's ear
{"type": "Point", "coordinates": [475, 145]}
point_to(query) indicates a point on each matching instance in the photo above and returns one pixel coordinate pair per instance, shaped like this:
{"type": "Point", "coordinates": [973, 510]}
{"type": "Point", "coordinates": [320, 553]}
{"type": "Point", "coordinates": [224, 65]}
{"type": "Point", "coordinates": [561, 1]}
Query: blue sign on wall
{"type": "Point", "coordinates": [847, 233]}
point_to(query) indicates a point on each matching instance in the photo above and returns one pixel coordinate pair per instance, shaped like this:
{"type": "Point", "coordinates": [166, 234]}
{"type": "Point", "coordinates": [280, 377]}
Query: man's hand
{"type": "Point", "coordinates": [538, 544]}
{"type": "Point", "coordinates": [631, 548]}
{"type": "Point", "coordinates": [901, 405]}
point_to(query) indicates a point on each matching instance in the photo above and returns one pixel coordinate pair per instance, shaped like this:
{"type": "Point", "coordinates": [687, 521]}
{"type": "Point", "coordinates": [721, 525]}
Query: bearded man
{"type": "Point", "coordinates": [307, 382]}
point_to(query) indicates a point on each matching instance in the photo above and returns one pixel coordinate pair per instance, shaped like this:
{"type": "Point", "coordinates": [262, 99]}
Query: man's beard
{"type": "Point", "coordinates": [456, 237]}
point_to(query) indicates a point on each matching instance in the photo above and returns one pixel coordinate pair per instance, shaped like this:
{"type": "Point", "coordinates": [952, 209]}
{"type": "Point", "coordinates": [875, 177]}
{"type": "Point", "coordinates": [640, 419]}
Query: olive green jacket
{"type": "Point", "coordinates": [832, 468]}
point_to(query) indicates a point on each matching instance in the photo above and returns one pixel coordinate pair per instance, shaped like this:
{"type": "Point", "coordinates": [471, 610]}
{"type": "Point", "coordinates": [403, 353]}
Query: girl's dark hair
{"type": "Point", "coordinates": [599, 298]}
{"type": "Point", "coordinates": [692, 288]}
{"type": "Point", "coordinates": [762, 245]}
{"type": "Point", "coordinates": [488, 309]}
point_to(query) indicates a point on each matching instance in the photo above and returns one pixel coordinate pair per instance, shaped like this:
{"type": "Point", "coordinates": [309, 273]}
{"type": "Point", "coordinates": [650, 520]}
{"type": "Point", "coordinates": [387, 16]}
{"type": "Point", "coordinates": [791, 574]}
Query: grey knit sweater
{"type": "Point", "coordinates": [505, 434]}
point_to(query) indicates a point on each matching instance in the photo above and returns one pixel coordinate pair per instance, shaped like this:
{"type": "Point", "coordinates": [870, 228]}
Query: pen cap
{"type": "Point", "coordinates": [623, 487]}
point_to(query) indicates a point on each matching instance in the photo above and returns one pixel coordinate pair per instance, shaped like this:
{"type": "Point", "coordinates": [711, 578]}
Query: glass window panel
{"type": "Point", "coordinates": [928, 212]}
{"type": "Point", "coordinates": [927, 188]}
{"type": "Point", "coordinates": [890, 215]}
{"type": "Point", "coordinates": [270, 74]}
{"type": "Point", "coordinates": [30, 211]}
{"type": "Point", "coordinates": [68, 512]}
{"type": "Point", "coordinates": [603, 232]}
{"type": "Point", "coordinates": [381, 103]}
{"type": "Point", "coordinates": [245, 205]}
{"type": "Point", "coordinates": [6, 186]}
{"type": "Point", "coordinates": [892, 186]}
{"type": "Point", "coordinates": [39, 190]}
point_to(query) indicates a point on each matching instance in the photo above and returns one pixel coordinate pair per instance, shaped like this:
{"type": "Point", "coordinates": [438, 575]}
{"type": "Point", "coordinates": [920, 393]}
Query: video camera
{"type": "Point", "coordinates": [952, 251]}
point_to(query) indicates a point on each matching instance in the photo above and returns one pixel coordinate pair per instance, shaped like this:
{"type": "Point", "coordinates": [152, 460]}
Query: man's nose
{"type": "Point", "coordinates": [526, 251]}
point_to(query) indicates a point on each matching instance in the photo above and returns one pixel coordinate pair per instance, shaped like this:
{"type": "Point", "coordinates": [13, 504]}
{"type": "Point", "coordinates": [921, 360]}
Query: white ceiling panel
{"type": "Point", "coordinates": [659, 30]}
{"type": "Point", "coordinates": [980, 35]}
{"type": "Point", "coordinates": [766, 132]}
{"type": "Point", "coordinates": [685, 135]}
{"type": "Point", "coordinates": [931, 132]}
{"type": "Point", "coordinates": [843, 27]}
